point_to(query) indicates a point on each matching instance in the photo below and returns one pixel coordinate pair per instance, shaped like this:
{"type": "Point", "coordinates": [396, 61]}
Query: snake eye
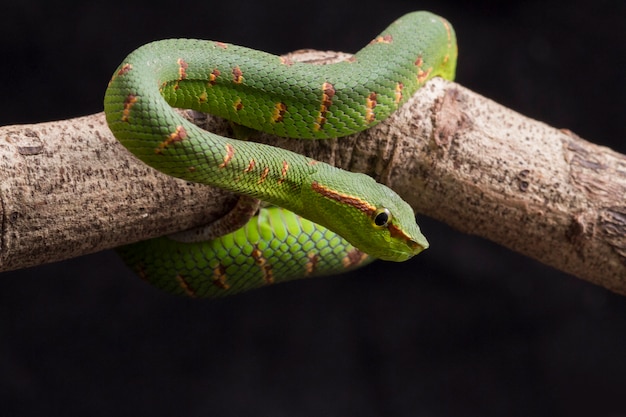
{"type": "Point", "coordinates": [382, 216]}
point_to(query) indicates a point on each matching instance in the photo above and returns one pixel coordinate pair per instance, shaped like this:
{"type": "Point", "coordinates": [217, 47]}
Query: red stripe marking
{"type": "Point", "coordinates": [182, 68]}
{"type": "Point", "coordinates": [312, 261]}
{"type": "Point", "coordinates": [237, 75]}
{"type": "Point", "coordinates": [250, 166]}
{"type": "Point", "coordinates": [182, 282]}
{"type": "Point", "coordinates": [397, 233]}
{"type": "Point", "coordinates": [382, 39]}
{"type": "Point", "coordinates": [354, 257]}
{"type": "Point", "coordinates": [230, 152]}
{"type": "Point", "coordinates": [219, 277]}
{"type": "Point", "coordinates": [178, 136]}
{"type": "Point", "coordinates": [355, 202]}
{"type": "Point", "coordinates": [279, 112]}
{"type": "Point", "coordinates": [286, 61]}
{"type": "Point", "coordinates": [283, 172]}
{"type": "Point", "coordinates": [449, 33]}
{"type": "Point", "coordinates": [264, 174]}
{"type": "Point", "coordinates": [423, 75]}
{"type": "Point", "coordinates": [213, 76]}
{"type": "Point", "coordinates": [266, 268]}
{"type": "Point", "coordinates": [182, 71]}
{"type": "Point", "coordinates": [370, 104]}
{"type": "Point", "coordinates": [125, 69]}
{"type": "Point", "coordinates": [328, 92]}
{"type": "Point", "coordinates": [129, 101]}
{"type": "Point", "coordinates": [398, 93]}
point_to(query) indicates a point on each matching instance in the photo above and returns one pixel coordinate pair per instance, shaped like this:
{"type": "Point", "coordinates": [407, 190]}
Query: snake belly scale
{"type": "Point", "coordinates": [267, 93]}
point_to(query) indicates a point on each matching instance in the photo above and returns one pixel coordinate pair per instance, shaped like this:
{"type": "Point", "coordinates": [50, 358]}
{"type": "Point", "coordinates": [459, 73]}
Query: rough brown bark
{"type": "Point", "coordinates": [69, 188]}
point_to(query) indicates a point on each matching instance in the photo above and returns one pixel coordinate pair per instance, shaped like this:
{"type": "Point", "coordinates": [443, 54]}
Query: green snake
{"type": "Point", "coordinates": [328, 218]}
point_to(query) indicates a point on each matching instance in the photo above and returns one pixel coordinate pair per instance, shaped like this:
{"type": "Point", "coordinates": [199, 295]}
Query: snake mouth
{"type": "Point", "coordinates": [418, 247]}
{"type": "Point", "coordinates": [413, 246]}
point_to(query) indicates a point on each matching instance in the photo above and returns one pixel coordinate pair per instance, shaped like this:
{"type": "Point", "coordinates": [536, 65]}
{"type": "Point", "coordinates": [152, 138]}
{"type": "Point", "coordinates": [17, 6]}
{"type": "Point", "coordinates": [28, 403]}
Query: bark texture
{"type": "Point", "coordinates": [69, 188]}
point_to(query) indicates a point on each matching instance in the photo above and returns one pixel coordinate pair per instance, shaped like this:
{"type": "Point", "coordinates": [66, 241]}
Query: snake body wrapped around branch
{"type": "Point", "coordinates": [264, 92]}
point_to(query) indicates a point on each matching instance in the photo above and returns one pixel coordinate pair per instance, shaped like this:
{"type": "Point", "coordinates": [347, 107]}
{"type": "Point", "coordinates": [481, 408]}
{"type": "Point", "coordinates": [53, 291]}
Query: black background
{"type": "Point", "coordinates": [467, 328]}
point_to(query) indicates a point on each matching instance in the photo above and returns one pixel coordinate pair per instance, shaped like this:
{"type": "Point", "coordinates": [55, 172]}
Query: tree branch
{"type": "Point", "coordinates": [69, 188]}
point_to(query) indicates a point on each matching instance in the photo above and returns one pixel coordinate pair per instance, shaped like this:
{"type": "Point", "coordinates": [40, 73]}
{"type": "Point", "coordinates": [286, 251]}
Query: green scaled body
{"type": "Point", "coordinates": [274, 246]}
{"type": "Point", "coordinates": [267, 93]}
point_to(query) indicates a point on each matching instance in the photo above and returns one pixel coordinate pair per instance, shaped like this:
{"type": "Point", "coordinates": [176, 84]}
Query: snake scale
{"type": "Point", "coordinates": [326, 219]}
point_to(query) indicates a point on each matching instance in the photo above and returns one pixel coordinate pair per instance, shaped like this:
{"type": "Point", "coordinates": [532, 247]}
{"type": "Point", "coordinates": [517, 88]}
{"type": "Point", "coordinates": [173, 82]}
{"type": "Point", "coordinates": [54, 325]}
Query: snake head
{"type": "Point", "coordinates": [369, 215]}
{"type": "Point", "coordinates": [394, 224]}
